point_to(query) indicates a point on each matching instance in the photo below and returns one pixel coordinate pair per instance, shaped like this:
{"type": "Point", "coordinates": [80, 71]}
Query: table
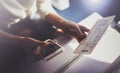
{"type": "Point", "coordinates": [104, 54]}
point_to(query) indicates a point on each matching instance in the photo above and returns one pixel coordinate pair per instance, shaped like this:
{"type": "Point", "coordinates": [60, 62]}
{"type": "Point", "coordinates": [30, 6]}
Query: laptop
{"type": "Point", "coordinates": [87, 45]}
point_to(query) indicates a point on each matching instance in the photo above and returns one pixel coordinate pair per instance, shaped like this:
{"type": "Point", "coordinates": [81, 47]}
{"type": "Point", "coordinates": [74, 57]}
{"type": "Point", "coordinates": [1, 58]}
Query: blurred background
{"type": "Point", "coordinates": [79, 9]}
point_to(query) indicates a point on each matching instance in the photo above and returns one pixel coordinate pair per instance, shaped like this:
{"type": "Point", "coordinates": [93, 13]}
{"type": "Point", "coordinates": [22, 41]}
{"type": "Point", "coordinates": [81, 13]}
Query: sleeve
{"type": "Point", "coordinates": [44, 8]}
{"type": "Point", "coordinates": [10, 12]}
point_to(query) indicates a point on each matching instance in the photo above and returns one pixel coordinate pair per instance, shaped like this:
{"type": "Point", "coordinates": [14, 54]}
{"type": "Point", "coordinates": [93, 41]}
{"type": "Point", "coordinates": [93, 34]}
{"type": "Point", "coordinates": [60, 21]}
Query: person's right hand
{"type": "Point", "coordinates": [75, 30]}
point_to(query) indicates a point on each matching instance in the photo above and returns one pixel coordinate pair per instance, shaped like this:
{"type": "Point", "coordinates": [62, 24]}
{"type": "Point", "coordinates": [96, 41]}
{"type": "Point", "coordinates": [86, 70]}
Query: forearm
{"type": "Point", "coordinates": [48, 14]}
{"type": "Point", "coordinates": [19, 40]}
{"type": "Point", "coordinates": [56, 20]}
{"type": "Point", "coordinates": [9, 37]}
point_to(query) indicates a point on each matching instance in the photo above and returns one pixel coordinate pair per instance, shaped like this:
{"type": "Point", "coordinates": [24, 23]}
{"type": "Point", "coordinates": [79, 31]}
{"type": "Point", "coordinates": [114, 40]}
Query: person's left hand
{"type": "Point", "coordinates": [75, 30]}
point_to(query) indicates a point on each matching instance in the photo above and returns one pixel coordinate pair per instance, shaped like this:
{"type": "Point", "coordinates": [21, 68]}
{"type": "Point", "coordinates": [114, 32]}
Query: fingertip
{"type": "Point", "coordinates": [87, 29]}
{"type": "Point", "coordinates": [80, 38]}
{"type": "Point", "coordinates": [83, 28]}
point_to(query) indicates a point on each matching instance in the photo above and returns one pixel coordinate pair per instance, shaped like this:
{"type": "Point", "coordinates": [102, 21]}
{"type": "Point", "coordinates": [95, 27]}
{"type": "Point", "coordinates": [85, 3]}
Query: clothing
{"type": "Point", "coordinates": [11, 11]}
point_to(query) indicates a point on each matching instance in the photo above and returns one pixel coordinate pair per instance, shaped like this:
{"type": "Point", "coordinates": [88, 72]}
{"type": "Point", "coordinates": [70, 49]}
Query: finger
{"type": "Point", "coordinates": [80, 37]}
{"type": "Point", "coordinates": [47, 43]}
{"type": "Point", "coordinates": [60, 31]}
{"type": "Point", "coordinates": [84, 29]}
{"type": "Point", "coordinates": [79, 32]}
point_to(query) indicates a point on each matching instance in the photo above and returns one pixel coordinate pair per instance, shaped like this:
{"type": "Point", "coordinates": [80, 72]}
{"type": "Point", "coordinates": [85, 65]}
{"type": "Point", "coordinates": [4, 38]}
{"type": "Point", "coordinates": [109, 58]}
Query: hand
{"type": "Point", "coordinates": [75, 30]}
{"type": "Point", "coordinates": [31, 46]}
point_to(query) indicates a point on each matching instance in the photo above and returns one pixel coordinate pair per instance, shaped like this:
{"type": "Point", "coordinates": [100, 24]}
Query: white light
{"type": "Point", "coordinates": [95, 1]}
{"type": "Point", "coordinates": [119, 22]}
{"type": "Point", "coordinates": [118, 25]}
{"type": "Point", "coordinates": [95, 5]}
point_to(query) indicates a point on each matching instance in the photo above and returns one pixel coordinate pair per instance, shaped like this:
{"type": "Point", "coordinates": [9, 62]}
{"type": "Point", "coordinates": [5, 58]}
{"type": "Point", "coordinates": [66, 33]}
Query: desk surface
{"type": "Point", "coordinates": [103, 55]}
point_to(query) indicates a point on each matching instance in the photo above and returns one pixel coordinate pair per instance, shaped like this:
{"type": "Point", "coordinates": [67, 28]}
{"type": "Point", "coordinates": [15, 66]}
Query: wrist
{"type": "Point", "coordinates": [55, 19]}
{"type": "Point", "coordinates": [65, 24]}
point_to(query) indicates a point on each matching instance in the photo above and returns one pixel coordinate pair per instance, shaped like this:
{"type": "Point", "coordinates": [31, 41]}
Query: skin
{"type": "Point", "coordinates": [71, 28]}
{"type": "Point", "coordinates": [30, 44]}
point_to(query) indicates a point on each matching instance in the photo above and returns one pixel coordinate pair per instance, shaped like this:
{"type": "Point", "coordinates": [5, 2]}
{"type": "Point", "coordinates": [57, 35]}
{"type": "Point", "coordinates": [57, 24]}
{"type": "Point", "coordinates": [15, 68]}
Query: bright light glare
{"type": "Point", "coordinates": [119, 22]}
{"type": "Point", "coordinates": [95, 4]}
{"type": "Point", "coordinates": [95, 1]}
